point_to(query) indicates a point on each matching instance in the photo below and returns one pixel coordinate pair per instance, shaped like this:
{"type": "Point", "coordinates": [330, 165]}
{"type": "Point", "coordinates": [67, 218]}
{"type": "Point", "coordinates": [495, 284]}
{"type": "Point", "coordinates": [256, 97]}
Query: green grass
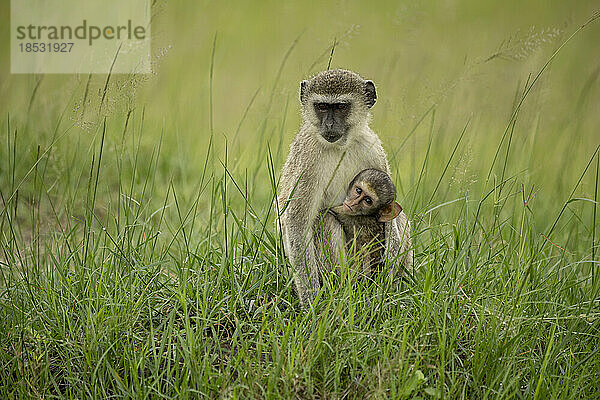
{"type": "Point", "coordinates": [138, 250]}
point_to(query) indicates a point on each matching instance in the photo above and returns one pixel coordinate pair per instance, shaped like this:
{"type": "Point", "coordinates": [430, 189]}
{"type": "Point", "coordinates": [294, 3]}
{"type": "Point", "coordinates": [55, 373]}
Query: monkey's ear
{"type": "Point", "coordinates": [390, 212]}
{"type": "Point", "coordinates": [303, 86]}
{"type": "Point", "coordinates": [370, 94]}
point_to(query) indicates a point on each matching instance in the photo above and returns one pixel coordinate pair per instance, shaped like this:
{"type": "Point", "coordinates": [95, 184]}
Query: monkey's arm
{"type": "Point", "coordinates": [398, 242]}
{"type": "Point", "coordinates": [299, 207]}
{"type": "Point", "coordinates": [329, 241]}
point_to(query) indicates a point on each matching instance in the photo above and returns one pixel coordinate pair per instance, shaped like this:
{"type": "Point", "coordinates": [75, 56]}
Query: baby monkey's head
{"type": "Point", "coordinates": [371, 193]}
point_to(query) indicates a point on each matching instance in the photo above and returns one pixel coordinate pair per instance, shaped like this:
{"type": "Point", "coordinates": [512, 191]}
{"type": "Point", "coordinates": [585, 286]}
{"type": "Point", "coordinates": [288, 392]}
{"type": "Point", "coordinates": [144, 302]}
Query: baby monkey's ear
{"type": "Point", "coordinates": [389, 212]}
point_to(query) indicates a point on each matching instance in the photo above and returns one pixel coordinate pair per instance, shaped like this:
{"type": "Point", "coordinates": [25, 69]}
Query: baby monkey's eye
{"type": "Point", "coordinates": [321, 106]}
{"type": "Point", "coordinates": [368, 200]}
{"type": "Point", "coordinates": [343, 106]}
{"type": "Point", "coordinates": [358, 190]}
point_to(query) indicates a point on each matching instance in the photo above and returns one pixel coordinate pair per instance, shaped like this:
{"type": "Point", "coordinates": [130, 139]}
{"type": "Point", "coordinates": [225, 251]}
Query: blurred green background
{"type": "Point", "coordinates": [467, 59]}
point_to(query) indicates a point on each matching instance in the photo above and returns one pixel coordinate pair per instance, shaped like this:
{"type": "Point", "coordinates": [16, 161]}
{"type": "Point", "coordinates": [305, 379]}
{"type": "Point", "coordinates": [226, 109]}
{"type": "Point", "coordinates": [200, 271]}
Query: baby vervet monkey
{"type": "Point", "coordinates": [370, 203]}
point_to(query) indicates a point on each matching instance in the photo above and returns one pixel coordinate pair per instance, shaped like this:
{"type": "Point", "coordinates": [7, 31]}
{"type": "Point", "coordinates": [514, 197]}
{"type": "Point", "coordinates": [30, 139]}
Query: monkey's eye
{"type": "Point", "coordinates": [368, 200]}
{"type": "Point", "coordinates": [358, 190]}
{"type": "Point", "coordinates": [343, 106]}
{"type": "Point", "coordinates": [321, 106]}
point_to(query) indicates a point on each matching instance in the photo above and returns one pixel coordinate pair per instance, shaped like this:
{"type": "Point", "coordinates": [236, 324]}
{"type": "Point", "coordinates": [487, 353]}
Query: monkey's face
{"type": "Point", "coordinates": [332, 119]}
{"type": "Point", "coordinates": [361, 199]}
{"type": "Point", "coordinates": [371, 193]}
{"type": "Point", "coordinates": [337, 103]}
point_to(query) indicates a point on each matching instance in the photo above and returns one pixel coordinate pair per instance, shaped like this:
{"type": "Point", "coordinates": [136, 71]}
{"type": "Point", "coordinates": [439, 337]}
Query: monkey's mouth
{"type": "Point", "coordinates": [331, 137]}
{"type": "Point", "coordinates": [347, 207]}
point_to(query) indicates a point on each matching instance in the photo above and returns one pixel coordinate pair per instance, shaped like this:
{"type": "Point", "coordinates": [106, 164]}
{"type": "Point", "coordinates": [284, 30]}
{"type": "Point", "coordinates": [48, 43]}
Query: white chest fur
{"type": "Point", "coordinates": [341, 166]}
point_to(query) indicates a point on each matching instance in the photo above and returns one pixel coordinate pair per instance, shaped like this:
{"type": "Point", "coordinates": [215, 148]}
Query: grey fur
{"type": "Point", "coordinates": [337, 82]}
{"type": "Point", "coordinates": [316, 174]}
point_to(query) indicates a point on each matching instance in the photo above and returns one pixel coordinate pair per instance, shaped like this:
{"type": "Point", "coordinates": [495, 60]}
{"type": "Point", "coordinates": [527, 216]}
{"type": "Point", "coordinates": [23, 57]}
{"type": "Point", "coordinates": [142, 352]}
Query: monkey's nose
{"type": "Point", "coordinates": [328, 122]}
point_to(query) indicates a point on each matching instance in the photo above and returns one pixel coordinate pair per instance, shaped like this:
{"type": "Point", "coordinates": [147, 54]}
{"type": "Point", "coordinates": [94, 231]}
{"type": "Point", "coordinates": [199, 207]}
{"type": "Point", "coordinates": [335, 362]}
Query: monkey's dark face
{"type": "Point", "coordinates": [333, 119]}
{"type": "Point", "coordinates": [336, 104]}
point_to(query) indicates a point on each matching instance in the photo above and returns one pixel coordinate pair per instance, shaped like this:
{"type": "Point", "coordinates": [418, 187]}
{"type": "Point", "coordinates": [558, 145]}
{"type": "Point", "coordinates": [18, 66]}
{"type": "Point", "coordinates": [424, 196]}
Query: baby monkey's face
{"type": "Point", "coordinates": [361, 199]}
{"type": "Point", "coordinates": [371, 193]}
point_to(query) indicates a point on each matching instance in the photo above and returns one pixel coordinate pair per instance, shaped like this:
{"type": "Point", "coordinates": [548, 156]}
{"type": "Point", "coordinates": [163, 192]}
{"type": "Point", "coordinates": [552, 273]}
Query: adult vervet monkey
{"type": "Point", "coordinates": [333, 145]}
